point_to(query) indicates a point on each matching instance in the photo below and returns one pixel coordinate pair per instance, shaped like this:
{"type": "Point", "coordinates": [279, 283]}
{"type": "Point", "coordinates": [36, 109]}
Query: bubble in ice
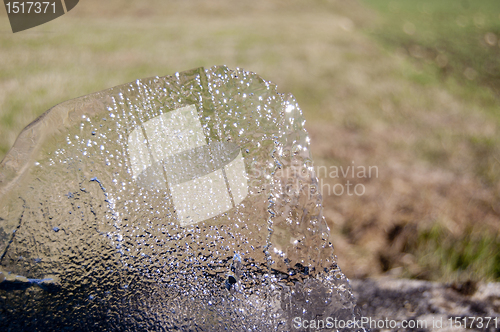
{"type": "Point", "coordinates": [185, 202]}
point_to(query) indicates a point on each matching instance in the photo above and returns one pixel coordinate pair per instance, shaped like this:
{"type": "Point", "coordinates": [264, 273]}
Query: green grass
{"type": "Point", "coordinates": [476, 255]}
{"type": "Point", "coordinates": [454, 45]}
{"type": "Point", "coordinates": [447, 38]}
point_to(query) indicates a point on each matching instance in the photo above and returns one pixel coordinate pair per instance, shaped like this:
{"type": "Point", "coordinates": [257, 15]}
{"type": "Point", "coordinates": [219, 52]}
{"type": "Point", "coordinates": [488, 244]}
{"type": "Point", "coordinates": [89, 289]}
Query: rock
{"type": "Point", "coordinates": [429, 303]}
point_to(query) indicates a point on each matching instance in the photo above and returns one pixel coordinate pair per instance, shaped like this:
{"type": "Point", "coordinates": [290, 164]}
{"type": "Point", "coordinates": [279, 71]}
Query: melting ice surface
{"type": "Point", "coordinates": [171, 203]}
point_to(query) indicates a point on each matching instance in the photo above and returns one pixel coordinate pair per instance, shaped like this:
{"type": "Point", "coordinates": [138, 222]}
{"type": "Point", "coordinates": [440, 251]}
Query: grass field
{"type": "Point", "coordinates": [411, 88]}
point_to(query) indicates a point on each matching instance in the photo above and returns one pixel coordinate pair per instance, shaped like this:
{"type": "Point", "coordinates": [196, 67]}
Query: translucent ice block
{"type": "Point", "coordinates": [170, 203]}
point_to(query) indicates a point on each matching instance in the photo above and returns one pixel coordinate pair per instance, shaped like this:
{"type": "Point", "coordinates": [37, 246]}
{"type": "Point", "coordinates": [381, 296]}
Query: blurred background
{"type": "Point", "coordinates": [409, 87]}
